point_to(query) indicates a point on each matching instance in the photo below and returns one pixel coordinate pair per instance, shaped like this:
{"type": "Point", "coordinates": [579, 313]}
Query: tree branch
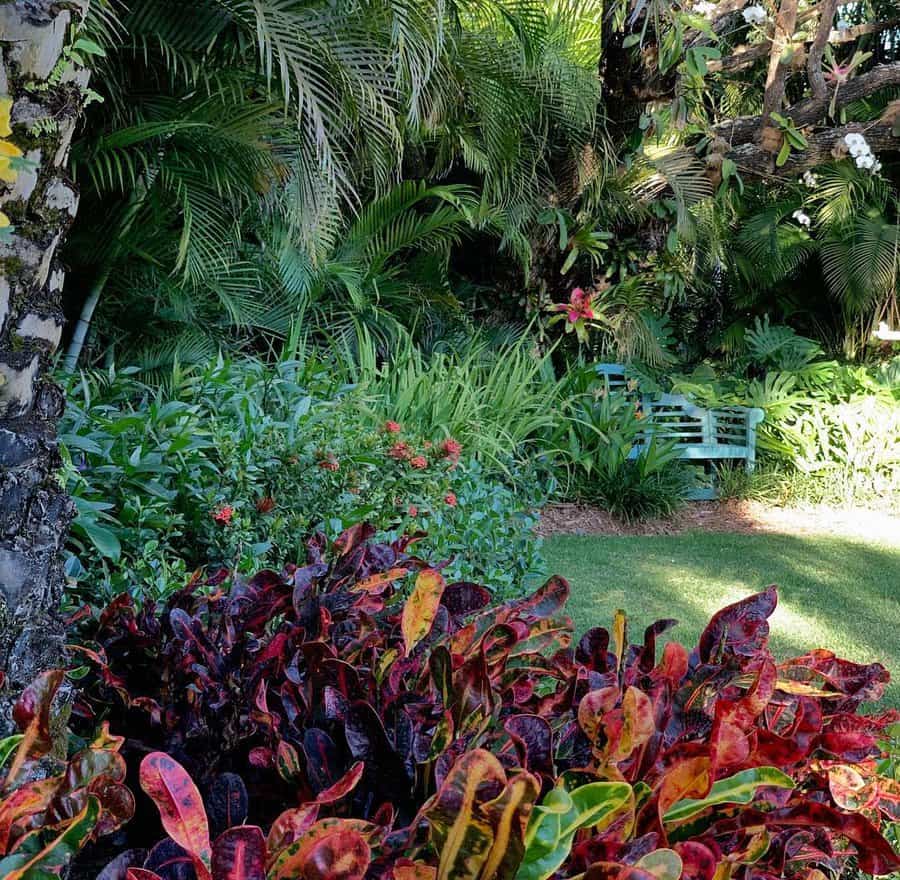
{"type": "Point", "coordinates": [785, 25]}
{"type": "Point", "coordinates": [817, 50]}
{"type": "Point", "coordinates": [753, 161]}
{"type": "Point", "coordinates": [746, 55]}
{"type": "Point", "coordinates": [812, 110]}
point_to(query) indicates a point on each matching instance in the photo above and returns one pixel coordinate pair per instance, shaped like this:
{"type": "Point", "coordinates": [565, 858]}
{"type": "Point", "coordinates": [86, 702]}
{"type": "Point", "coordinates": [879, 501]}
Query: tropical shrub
{"type": "Point", "coordinates": [836, 425]}
{"type": "Point", "coordinates": [426, 733]}
{"type": "Point", "coordinates": [52, 806]}
{"type": "Point", "coordinates": [497, 400]}
{"type": "Point", "coordinates": [594, 444]}
{"type": "Point", "coordinates": [241, 461]}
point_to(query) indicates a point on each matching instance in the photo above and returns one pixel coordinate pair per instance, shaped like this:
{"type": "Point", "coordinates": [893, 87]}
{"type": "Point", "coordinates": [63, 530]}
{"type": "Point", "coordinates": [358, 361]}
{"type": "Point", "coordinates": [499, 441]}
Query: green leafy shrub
{"type": "Point", "coordinates": [837, 426]}
{"type": "Point", "coordinates": [424, 732]}
{"type": "Point", "coordinates": [651, 485]}
{"type": "Point", "coordinates": [498, 402]}
{"type": "Point", "coordinates": [238, 463]}
{"type": "Point", "coordinates": [595, 443]}
{"type": "Point", "coordinates": [764, 484]}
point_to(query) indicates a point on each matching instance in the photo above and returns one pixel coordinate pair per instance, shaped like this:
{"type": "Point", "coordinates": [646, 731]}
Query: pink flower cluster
{"type": "Point", "coordinates": [449, 449]}
{"type": "Point", "coordinates": [580, 306]}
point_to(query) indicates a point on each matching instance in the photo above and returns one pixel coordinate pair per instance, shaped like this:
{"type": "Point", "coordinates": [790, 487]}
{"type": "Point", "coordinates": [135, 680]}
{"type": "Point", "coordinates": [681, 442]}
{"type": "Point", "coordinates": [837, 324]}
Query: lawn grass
{"type": "Point", "coordinates": [835, 593]}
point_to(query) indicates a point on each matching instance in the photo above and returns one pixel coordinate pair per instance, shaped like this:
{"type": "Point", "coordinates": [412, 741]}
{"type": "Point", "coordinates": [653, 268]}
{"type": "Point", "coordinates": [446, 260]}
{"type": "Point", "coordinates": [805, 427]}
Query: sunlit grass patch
{"type": "Point", "coordinates": [833, 593]}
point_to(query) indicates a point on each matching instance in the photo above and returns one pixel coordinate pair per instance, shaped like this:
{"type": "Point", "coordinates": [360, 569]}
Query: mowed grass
{"type": "Point", "coordinates": [843, 595]}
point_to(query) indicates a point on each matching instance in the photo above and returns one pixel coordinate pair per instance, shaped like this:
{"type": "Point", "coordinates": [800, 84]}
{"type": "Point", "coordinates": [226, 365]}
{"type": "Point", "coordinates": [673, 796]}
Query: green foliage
{"type": "Point", "coordinates": [651, 485]}
{"type": "Point", "coordinates": [764, 484]}
{"type": "Point", "coordinates": [835, 425]}
{"type": "Point", "coordinates": [245, 165]}
{"type": "Point", "coordinates": [494, 400]}
{"type": "Point", "coordinates": [241, 461]}
{"type": "Point", "coordinates": [598, 444]}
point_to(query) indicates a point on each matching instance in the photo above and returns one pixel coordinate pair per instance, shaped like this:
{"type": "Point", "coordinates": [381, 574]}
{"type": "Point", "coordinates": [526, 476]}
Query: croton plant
{"type": "Point", "coordinates": [378, 722]}
{"type": "Point", "coordinates": [51, 806]}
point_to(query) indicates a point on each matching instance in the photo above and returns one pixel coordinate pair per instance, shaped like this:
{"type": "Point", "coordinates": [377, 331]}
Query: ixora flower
{"type": "Point", "coordinates": [802, 218]}
{"type": "Point", "coordinates": [392, 427]}
{"type": "Point", "coordinates": [400, 451]}
{"type": "Point", "coordinates": [754, 14]}
{"type": "Point", "coordinates": [450, 499]}
{"type": "Point", "coordinates": [223, 515]}
{"type": "Point", "coordinates": [419, 462]}
{"type": "Point", "coordinates": [330, 463]}
{"type": "Point", "coordinates": [451, 449]}
{"type": "Point", "coordinates": [412, 510]}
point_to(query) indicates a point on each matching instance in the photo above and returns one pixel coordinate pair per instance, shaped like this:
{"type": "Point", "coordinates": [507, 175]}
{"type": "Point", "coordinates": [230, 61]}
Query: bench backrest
{"type": "Point", "coordinates": [614, 374]}
{"type": "Point", "coordinates": [676, 417]}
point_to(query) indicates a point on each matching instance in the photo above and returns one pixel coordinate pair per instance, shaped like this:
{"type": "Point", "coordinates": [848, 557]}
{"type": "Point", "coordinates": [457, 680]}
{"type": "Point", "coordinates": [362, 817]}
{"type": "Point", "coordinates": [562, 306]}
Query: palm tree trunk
{"type": "Point", "coordinates": [83, 325]}
{"type": "Point", "coordinates": [48, 92]}
{"type": "Point", "coordinates": [79, 335]}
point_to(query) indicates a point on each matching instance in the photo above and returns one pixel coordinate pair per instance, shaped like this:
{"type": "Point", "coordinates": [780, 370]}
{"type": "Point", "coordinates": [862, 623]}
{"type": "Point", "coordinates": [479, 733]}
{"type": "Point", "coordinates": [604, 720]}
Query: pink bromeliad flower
{"type": "Point", "coordinates": [579, 306]}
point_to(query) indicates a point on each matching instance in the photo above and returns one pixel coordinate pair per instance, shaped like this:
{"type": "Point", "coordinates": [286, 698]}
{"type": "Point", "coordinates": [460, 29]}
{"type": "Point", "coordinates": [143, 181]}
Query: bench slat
{"type": "Point", "coordinates": [700, 434]}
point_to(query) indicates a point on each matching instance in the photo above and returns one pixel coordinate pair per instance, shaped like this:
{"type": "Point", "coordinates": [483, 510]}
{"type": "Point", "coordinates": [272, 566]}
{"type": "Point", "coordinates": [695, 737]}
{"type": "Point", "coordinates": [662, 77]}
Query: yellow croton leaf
{"type": "Point", "coordinates": [5, 109]}
{"type": "Point", "coordinates": [8, 152]}
{"type": "Point", "coordinates": [4, 221]}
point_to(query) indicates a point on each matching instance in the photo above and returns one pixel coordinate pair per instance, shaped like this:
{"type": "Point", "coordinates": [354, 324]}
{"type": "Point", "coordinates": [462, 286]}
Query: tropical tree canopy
{"type": "Point", "coordinates": [404, 165]}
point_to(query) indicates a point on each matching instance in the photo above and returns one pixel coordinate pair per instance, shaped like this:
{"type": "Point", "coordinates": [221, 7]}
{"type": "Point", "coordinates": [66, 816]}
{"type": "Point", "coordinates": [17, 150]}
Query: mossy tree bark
{"type": "Point", "coordinates": [48, 92]}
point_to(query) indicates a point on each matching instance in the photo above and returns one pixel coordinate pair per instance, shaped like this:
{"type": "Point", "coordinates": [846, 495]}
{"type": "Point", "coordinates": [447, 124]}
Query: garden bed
{"type": "Point", "coordinates": [739, 517]}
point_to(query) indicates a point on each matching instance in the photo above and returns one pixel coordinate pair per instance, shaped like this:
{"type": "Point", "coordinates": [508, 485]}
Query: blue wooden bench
{"type": "Point", "coordinates": [704, 436]}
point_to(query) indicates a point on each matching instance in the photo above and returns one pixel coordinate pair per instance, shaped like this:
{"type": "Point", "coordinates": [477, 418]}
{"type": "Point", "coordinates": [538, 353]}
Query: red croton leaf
{"type": "Point", "coordinates": [741, 628]}
{"type": "Point", "coordinates": [874, 853]}
{"type": "Point", "coordinates": [27, 800]}
{"type": "Point", "coordinates": [343, 786]}
{"type": "Point", "coordinates": [698, 860]}
{"type": "Point", "coordinates": [289, 826]}
{"type": "Point", "coordinates": [690, 778]}
{"type": "Point", "coordinates": [32, 714]}
{"type": "Point", "coordinates": [405, 869]}
{"type": "Point", "coordinates": [332, 849]}
{"type": "Point", "coordinates": [615, 871]}
{"type": "Point", "coordinates": [240, 854]}
{"type": "Point", "coordinates": [180, 808]}
{"type": "Point", "coordinates": [342, 855]}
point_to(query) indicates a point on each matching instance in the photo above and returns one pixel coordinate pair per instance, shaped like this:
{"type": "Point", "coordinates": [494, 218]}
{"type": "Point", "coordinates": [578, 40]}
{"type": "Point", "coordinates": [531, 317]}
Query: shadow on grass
{"type": "Point", "coordinates": [833, 593]}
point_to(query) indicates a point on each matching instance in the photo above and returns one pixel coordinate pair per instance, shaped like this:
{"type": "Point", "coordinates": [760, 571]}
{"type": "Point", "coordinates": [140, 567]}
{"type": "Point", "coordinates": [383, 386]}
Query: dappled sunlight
{"type": "Point", "coordinates": [841, 595]}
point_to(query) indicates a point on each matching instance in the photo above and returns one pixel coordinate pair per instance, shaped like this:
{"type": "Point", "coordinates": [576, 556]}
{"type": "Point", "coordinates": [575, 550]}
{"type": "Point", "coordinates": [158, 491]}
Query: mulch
{"type": "Point", "coordinates": [735, 517]}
